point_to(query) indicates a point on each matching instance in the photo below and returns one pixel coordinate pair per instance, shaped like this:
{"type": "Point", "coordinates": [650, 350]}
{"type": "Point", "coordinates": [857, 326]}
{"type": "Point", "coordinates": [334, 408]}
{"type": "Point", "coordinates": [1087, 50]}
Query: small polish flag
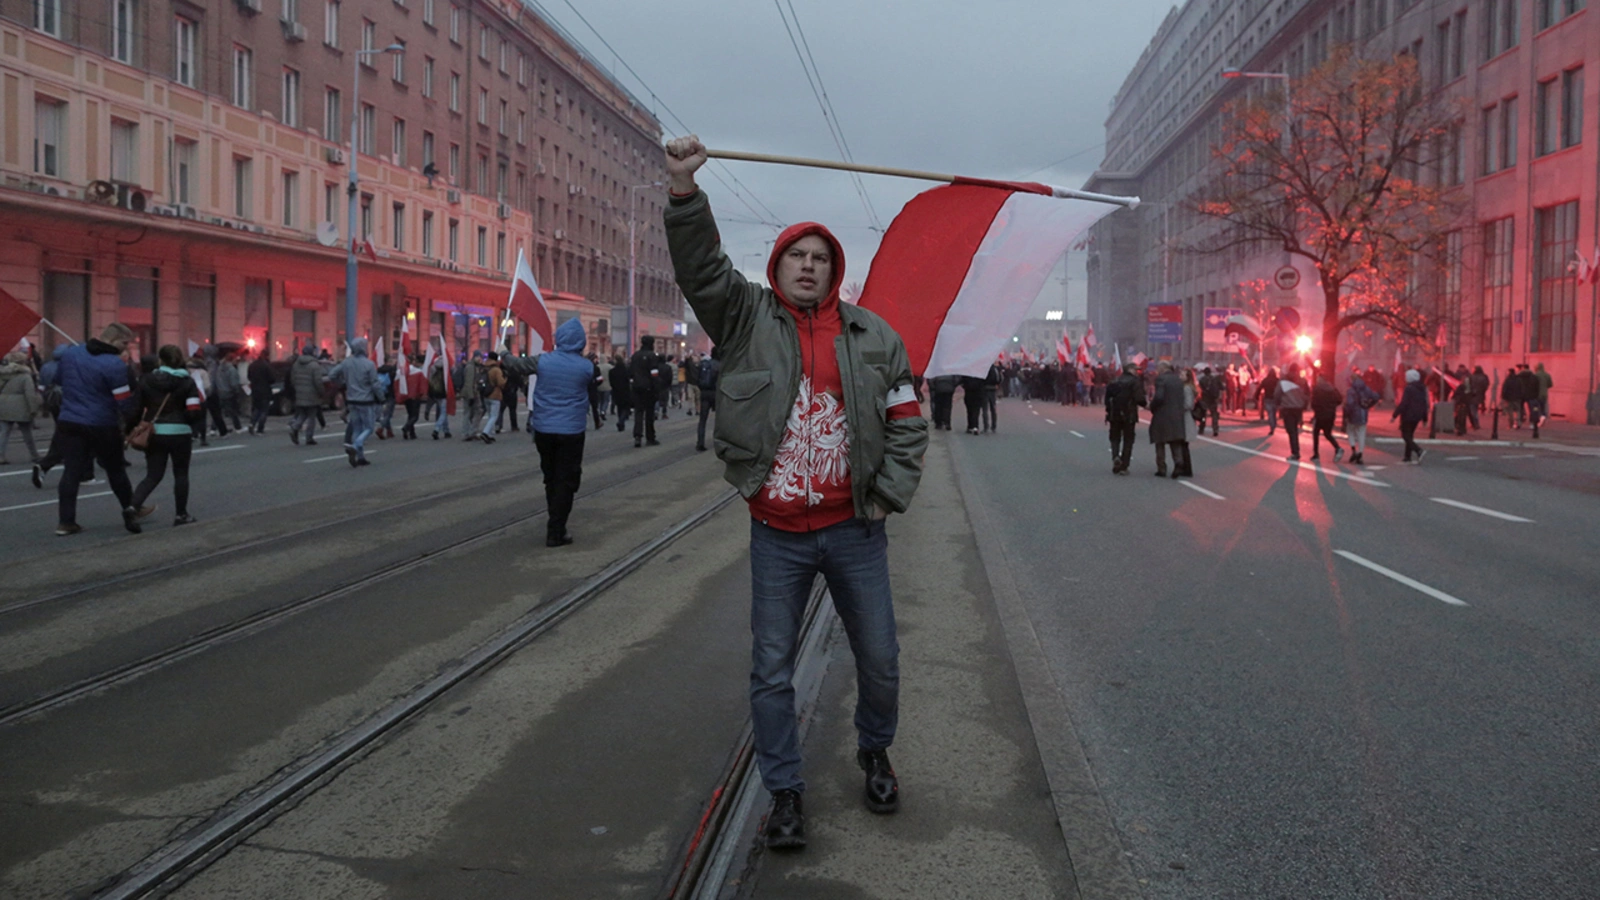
{"type": "Point", "coordinates": [1089, 338]}
{"type": "Point", "coordinates": [1064, 349]}
{"type": "Point", "coordinates": [1083, 352]}
{"type": "Point", "coordinates": [527, 303]}
{"type": "Point", "coordinates": [961, 263]}
{"type": "Point", "coordinates": [1245, 329]}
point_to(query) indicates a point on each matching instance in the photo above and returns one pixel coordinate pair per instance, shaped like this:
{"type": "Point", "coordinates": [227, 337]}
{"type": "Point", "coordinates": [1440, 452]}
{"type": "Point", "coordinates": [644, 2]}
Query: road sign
{"type": "Point", "coordinates": [1163, 323]}
{"type": "Point", "coordinates": [1286, 278]}
{"type": "Point", "coordinates": [1215, 334]}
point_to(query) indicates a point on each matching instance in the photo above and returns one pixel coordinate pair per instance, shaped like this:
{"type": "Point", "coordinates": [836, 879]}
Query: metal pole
{"type": "Point", "coordinates": [633, 268]}
{"type": "Point", "coordinates": [351, 276]}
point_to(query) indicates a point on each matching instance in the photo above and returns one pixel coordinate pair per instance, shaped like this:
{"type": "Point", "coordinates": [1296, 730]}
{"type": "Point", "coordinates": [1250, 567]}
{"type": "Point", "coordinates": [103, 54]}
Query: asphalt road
{"type": "Point", "coordinates": [1305, 682]}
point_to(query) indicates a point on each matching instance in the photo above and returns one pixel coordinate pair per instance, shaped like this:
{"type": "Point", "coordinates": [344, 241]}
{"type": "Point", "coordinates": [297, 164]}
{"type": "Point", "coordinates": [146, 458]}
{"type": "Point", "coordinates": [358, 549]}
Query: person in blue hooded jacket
{"type": "Point", "coordinates": [559, 418]}
{"type": "Point", "coordinates": [95, 397]}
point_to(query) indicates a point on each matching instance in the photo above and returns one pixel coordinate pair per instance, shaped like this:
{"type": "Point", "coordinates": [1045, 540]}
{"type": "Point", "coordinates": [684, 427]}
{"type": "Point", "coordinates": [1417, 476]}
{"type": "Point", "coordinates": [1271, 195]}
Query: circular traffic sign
{"type": "Point", "coordinates": [1287, 278]}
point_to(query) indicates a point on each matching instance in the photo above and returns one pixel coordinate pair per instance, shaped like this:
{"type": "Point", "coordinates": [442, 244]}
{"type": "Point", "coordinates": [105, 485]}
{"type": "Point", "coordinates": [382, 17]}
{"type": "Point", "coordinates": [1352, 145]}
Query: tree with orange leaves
{"type": "Point", "coordinates": [1354, 187]}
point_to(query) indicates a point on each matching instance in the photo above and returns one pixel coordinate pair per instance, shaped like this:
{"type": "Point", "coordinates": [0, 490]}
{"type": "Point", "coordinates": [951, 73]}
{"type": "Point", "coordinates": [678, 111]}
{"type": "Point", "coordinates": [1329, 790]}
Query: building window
{"type": "Point", "coordinates": [1553, 316]}
{"type": "Point", "coordinates": [1498, 127]}
{"type": "Point", "coordinates": [122, 18]}
{"type": "Point", "coordinates": [291, 98]}
{"type": "Point", "coordinates": [291, 11]}
{"type": "Point", "coordinates": [1572, 107]}
{"type": "Point", "coordinates": [483, 247]}
{"type": "Point", "coordinates": [398, 226]}
{"type": "Point", "coordinates": [242, 68]}
{"type": "Point", "coordinates": [366, 217]}
{"type": "Point", "coordinates": [183, 51]}
{"type": "Point", "coordinates": [1450, 291]}
{"type": "Point", "coordinates": [369, 38]}
{"type": "Point", "coordinates": [427, 149]}
{"type": "Point", "coordinates": [47, 16]}
{"type": "Point", "coordinates": [369, 125]}
{"type": "Point", "coordinates": [455, 92]}
{"type": "Point", "coordinates": [242, 188]}
{"type": "Point", "coordinates": [500, 180]}
{"type": "Point", "coordinates": [399, 142]}
{"type": "Point", "coordinates": [185, 162]}
{"type": "Point", "coordinates": [483, 174]}
{"type": "Point", "coordinates": [522, 68]}
{"type": "Point", "coordinates": [522, 126]}
{"type": "Point", "coordinates": [502, 120]}
{"type": "Point", "coordinates": [1498, 264]}
{"type": "Point", "coordinates": [1499, 27]}
{"type": "Point", "coordinates": [332, 126]}
{"type": "Point", "coordinates": [399, 73]}
{"type": "Point", "coordinates": [453, 240]}
{"type": "Point", "coordinates": [504, 56]}
{"type": "Point", "coordinates": [1452, 151]}
{"type": "Point", "coordinates": [427, 76]}
{"type": "Point", "coordinates": [455, 163]}
{"type": "Point", "coordinates": [49, 135]}
{"type": "Point", "coordinates": [427, 12]}
{"type": "Point", "coordinates": [1450, 58]}
{"type": "Point", "coordinates": [427, 234]}
{"type": "Point", "coordinates": [291, 199]}
{"type": "Point", "coordinates": [500, 250]}
{"type": "Point", "coordinates": [330, 201]}
{"type": "Point", "coordinates": [483, 42]}
{"type": "Point", "coordinates": [330, 23]}
{"type": "Point", "coordinates": [483, 106]}
{"type": "Point", "coordinates": [124, 152]}
{"type": "Point", "coordinates": [455, 24]}
{"type": "Point", "coordinates": [1553, 11]}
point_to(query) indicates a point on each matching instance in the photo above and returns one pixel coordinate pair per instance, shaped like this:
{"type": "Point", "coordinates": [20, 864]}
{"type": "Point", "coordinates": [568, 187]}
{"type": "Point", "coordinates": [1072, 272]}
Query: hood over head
{"type": "Point", "coordinates": [570, 336]}
{"type": "Point", "coordinates": [1413, 375]}
{"type": "Point", "coordinates": [358, 347]}
{"type": "Point", "coordinates": [794, 233]}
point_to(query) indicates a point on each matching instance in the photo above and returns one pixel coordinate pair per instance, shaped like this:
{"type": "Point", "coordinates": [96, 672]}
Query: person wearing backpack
{"type": "Point", "coordinates": [1211, 385]}
{"type": "Point", "coordinates": [706, 381]}
{"type": "Point", "coordinates": [491, 386]}
{"type": "Point", "coordinates": [1358, 400]}
{"type": "Point", "coordinates": [1325, 403]}
{"type": "Point", "coordinates": [1292, 402]}
{"type": "Point", "coordinates": [1123, 399]}
{"type": "Point", "coordinates": [470, 389]}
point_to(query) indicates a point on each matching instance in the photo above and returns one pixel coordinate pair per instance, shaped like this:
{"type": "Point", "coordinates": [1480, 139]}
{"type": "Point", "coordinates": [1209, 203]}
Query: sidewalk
{"type": "Point", "coordinates": [1557, 435]}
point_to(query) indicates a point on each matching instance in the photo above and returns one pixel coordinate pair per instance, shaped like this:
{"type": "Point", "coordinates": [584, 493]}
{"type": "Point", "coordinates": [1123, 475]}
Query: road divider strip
{"type": "Point", "coordinates": [1409, 582]}
{"type": "Point", "coordinates": [1195, 487]}
{"type": "Point", "coordinates": [1326, 470]}
{"type": "Point", "coordinates": [340, 456]}
{"type": "Point", "coordinates": [51, 502]}
{"type": "Point", "coordinates": [1481, 510]}
{"type": "Point", "coordinates": [216, 449]}
{"type": "Point", "coordinates": [1050, 420]}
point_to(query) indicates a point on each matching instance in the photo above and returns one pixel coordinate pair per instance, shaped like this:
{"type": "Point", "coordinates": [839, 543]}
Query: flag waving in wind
{"type": "Point", "coordinates": [527, 303]}
{"type": "Point", "coordinates": [1064, 349]}
{"type": "Point", "coordinates": [961, 263]}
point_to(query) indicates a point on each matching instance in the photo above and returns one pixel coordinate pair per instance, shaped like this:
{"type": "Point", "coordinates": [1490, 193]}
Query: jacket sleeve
{"type": "Point", "coordinates": [905, 440]}
{"type": "Point", "coordinates": [721, 297]}
{"type": "Point", "coordinates": [522, 365]}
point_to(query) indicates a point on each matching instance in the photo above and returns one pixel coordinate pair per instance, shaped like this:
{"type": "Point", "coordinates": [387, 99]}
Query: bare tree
{"type": "Point", "coordinates": [1355, 188]}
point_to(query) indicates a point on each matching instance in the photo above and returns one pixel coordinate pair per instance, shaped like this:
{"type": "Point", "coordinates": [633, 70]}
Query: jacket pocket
{"type": "Point", "coordinates": [743, 386]}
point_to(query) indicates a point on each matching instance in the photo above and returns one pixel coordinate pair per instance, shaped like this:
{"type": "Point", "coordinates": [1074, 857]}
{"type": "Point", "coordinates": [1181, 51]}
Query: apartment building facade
{"type": "Point", "coordinates": [1525, 158]}
{"type": "Point", "coordinates": [182, 167]}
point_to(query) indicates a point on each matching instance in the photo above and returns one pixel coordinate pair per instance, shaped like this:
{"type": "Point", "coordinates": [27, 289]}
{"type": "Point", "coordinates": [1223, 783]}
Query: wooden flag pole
{"type": "Point", "coordinates": [1060, 192]}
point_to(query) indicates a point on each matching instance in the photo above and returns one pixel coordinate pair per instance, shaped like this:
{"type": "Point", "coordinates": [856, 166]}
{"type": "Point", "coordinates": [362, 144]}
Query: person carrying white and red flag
{"type": "Point", "coordinates": [441, 386]}
{"type": "Point", "coordinates": [819, 428]}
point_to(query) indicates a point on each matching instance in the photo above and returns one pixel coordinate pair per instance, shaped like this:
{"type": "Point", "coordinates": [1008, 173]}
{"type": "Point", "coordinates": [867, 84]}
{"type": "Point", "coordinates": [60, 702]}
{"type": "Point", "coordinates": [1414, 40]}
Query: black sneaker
{"type": "Point", "coordinates": [184, 519]}
{"type": "Point", "coordinates": [38, 475]}
{"type": "Point", "coordinates": [67, 529]}
{"type": "Point", "coordinates": [882, 788]}
{"type": "Point", "coordinates": [786, 823]}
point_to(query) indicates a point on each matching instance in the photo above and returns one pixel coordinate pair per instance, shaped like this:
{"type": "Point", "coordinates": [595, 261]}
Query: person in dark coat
{"type": "Point", "coordinates": [1211, 385]}
{"type": "Point", "coordinates": [169, 399]}
{"type": "Point", "coordinates": [1325, 403]}
{"type": "Point", "coordinates": [1412, 410]}
{"type": "Point", "coordinates": [1123, 399]}
{"type": "Point", "coordinates": [644, 374]}
{"type": "Point", "coordinates": [943, 388]}
{"type": "Point", "coordinates": [1511, 398]}
{"type": "Point", "coordinates": [261, 380]}
{"type": "Point", "coordinates": [621, 391]}
{"type": "Point", "coordinates": [559, 416]}
{"type": "Point", "coordinates": [1166, 420]}
{"type": "Point", "coordinates": [1292, 401]}
{"type": "Point", "coordinates": [305, 380]}
{"type": "Point", "coordinates": [972, 398]}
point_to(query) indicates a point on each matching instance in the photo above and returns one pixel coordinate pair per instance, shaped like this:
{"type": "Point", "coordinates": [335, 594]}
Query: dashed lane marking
{"type": "Point", "coordinates": [216, 449]}
{"type": "Point", "coordinates": [1050, 420]}
{"type": "Point", "coordinates": [1075, 434]}
{"type": "Point", "coordinates": [1409, 582]}
{"type": "Point", "coordinates": [1479, 509]}
{"type": "Point", "coordinates": [326, 458]}
{"type": "Point", "coordinates": [1459, 458]}
{"type": "Point", "coordinates": [1521, 456]}
{"type": "Point", "coordinates": [1195, 487]}
{"type": "Point", "coordinates": [1326, 470]}
{"type": "Point", "coordinates": [51, 502]}
{"type": "Point", "coordinates": [1034, 411]}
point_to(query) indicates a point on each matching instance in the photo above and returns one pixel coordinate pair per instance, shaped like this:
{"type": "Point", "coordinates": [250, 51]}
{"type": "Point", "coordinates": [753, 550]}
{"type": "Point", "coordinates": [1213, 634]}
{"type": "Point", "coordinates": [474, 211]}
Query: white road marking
{"type": "Point", "coordinates": [1522, 456]}
{"type": "Point", "coordinates": [1034, 411]}
{"type": "Point", "coordinates": [1479, 509]}
{"type": "Point", "coordinates": [1459, 458]}
{"type": "Point", "coordinates": [326, 458]}
{"type": "Point", "coordinates": [1333, 472]}
{"type": "Point", "coordinates": [215, 449]}
{"type": "Point", "coordinates": [1075, 434]}
{"type": "Point", "coordinates": [1050, 420]}
{"type": "Point", "coordinates": [51, 502]}
{"type": "Point", "coordinates": [1412, 583]}
{"type": "Point", "coordinates": [1376, 468]}
{"type": "Point", "coordinates": [1195, 487]}
{"type": "Point", "coordinates": [26, 471]}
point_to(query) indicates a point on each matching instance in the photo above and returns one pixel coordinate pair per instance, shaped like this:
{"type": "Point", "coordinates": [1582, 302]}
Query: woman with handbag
{"type": "Point", "coordinates": [169, 407]}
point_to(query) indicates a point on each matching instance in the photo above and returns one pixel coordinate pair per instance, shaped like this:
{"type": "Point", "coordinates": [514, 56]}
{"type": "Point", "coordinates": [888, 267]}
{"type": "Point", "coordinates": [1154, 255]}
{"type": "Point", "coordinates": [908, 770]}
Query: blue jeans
{"type": "Point", "coordinates": [854, 558]}
{"type": "Point", "coordinates": [358, 423]}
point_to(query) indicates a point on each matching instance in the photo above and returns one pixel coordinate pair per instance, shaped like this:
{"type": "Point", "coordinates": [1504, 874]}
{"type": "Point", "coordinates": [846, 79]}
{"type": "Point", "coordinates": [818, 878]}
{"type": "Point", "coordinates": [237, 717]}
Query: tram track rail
{"type": "Point", "coordinates": [268, 617]}
{"type": "Point", "coordinates": [173, 864]}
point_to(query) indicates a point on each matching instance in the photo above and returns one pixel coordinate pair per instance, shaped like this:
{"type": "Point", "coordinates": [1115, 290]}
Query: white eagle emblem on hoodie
{"type": "Point", "coordinates": [815, 450]}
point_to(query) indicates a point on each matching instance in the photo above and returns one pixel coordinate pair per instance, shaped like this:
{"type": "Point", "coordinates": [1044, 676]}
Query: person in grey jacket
{"type": "Point", "coordinates": [1167, 425]}
{"type": "Point", "coordinates": [305, 382]}
{"type": "Point", "coordinates": [362, 394]}
{"type": "Point", "coordinates": [19, 403]}
{"type": "Point", "coordinates": [229, 390]}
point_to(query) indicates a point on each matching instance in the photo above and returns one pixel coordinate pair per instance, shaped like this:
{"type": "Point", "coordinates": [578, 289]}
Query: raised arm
{"type": "Point", "coordinates": [718, 293]}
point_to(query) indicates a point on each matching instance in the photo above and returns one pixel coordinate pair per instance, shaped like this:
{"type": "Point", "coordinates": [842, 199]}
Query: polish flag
{"type": "Point", "coordinates": [402, 369]}
{"type": "Point", "coordinates": [1245, 329]}
{"type": "Point", "coordinates": [16, 320]}
{"type": "Point", "coordinates": [1089, 338]}
{"type": "Point", "coordinates": [1064, 349]}
{"type": "Point", "coordinates": [378, 353]}
{"type": "Point", "coordinates": [962, 263]}
{"type": "Point", "coordinates": [527, 303]}
{"type": "Point", "coordinates": [1083, 352]}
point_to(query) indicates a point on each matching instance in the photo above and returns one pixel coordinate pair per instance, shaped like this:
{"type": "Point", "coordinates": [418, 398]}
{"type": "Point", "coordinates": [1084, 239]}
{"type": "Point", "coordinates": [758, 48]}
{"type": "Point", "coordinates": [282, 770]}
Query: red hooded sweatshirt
{"type": "Point", "coordinates": [809, 485]}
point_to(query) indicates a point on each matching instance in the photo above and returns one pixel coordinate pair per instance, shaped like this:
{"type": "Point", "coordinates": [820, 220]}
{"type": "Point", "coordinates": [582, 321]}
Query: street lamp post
{"type": "Point", "coordinates": [351, 294]}
{"type": "Point", "coordinates": [1288, 108]}
{"type": "Point", "coordinates": [633, 268]}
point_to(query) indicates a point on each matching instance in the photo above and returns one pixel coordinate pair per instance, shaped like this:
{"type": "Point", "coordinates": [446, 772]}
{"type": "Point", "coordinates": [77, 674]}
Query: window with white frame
{"type": "Point", "coordinates": [185, 163]}
{"type": "Point", "coordinates": [502, 120]}
{"type": "Point", "coordinates": [399, 73]}
{"type": "Point", "coordinates": [366, 217]}
{"type": "Point", "coordinates": [453, 240]}
{"type": "Point", "coordinates": [427, 233]}
{"type": "Point", "coordinates": [500, 250]}
{"type": "Point", "coordinates": [504, 54]}
{"type": "Point", "coordinates": [369, 37]}
{"type": "Point", "coordinates": [427, 149]}
{"type": "Point", "coordinates": [184, 37]}
{"type": "Point", "coordinates": [330, 201]}
{"type": "Point", "coordinates": [483, 246]}
{"type": "Point", "coordinates": [500, 180]}
{"type": "Point", "coordinates": [455, 24]}
{"type": "Point", "coordinates": [399, 141]}
{"type": "Point", "coordinates": [291, 97]}
{"type": "Point", "coordinates": [291, 10]}
{"type": "Point", "coordinates": [242, 187]}
{"type": "Point", "coordinates": [122, 19]}
{"type": "Point", "coordinates": [483, 174]}
{"type": "Point", "coordinates": [330, 23]}
{"type": "Point", "coordinates": [522, 126]}
{"type": "Point", "coordinates": [397, 223]}
{"type": "Point", "coordinates": [368, 128]}
{"type": "Point", "coordinates": [332, 120]}
{"type": "Point", "coordinates": [291, 199]}
{"type": "Point", "coordinates": [124, 151]}
{"type": "Point", "coordinates": [483, 42]}
{"type": "Point", "coordinates": [522, 68]}
{"type": "Point", "coordinates": [483, 106]}
{"type": "Point", "coordinates": [455, 92]}
{"type": "Point", "coordinates": [427, 76]}
{"type": "Point", "coordinates": [455, 163]}
{"type": "Point", "coordinates": [47, 16]}
{"type": "Point", "coordinates": [49, 137]}
{"type": "Point", "coordinates": [243, 67]}
{"type": "Point", "coordinates": [427, 12]}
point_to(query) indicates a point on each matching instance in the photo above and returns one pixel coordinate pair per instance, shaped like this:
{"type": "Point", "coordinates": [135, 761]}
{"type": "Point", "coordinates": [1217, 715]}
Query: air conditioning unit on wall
{"type": "Point", "coordinates": [249, 6]}
{"type": "Point", "coordinates": [335, 155]}
{"type": "Point", "coordinates": [452, 196]}
{"type": "Point", "coordinates": [504, 210]}
{"type": "Point", "coordinates": [294, 32]}
{"type": "Point", "coordinates": [561, 234]}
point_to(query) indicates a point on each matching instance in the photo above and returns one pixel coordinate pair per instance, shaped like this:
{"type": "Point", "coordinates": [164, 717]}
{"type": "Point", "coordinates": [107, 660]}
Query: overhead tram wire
{"type": "Point", "coordinates": [770, 219]}
{"type": "Point", "coordinates": [808, 64]}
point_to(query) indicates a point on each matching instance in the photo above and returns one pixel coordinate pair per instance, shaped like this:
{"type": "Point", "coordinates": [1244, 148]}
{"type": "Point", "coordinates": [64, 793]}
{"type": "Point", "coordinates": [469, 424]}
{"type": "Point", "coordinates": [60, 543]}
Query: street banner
{"type": "Point", "coordinates": [1163, 323]}
{"type": "Point", "coordinates": [1217, 338]}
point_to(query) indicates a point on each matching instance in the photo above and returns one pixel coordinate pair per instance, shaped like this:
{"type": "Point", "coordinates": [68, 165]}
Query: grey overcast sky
{"type": "Point", "coordinates": [1010, 89]}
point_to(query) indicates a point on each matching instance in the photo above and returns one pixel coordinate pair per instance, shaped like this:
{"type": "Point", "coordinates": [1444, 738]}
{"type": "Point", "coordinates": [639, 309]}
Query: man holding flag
{"type": "Point", "coordinates": [820, 430]}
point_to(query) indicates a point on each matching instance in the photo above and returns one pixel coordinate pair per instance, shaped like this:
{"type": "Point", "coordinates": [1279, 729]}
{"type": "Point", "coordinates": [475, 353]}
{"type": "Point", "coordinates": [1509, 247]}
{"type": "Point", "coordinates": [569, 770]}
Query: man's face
{"type": "Point", "coordinates": [805, 270]}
